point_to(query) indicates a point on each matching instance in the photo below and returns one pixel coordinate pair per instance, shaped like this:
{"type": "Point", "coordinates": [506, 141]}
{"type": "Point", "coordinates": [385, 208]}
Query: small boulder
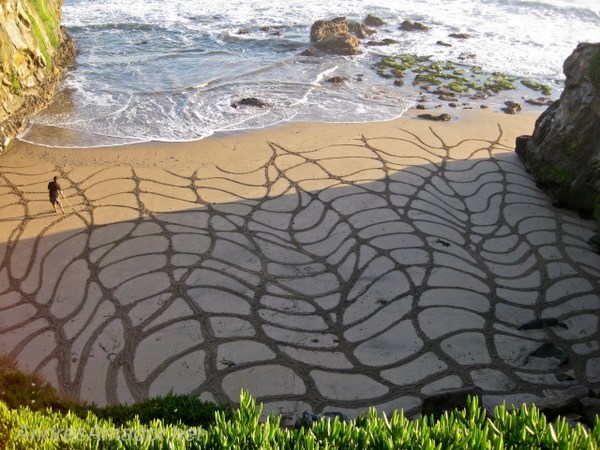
{"type": "Point", "coordinates": [376, 43]}
{"type": "Point", "coordinates": [335, 80]}
{"type": "Point", "coordinates": [447, 97]}
{"type": "Point", "coordinates": [345, 44]}
{"type": "Point", "coordinates": [323, 28]}
{"type": "Point", "coordinates": [459, 35]}
{"type": "Point", "coordinates": [590, 409]}
{"type": "Point", "coordinates": [541, 101]}
{"type": "Point", "coordinates": [440, 118]}
{"type": "Point", "coordinates": [437, 404]}
{"type": "Point", "coordinates": [250, 101]}
{"type": "Point", "coordinates": [307, 419]}
{"type": "Point", "coordinates": [562, 403]}
{"type": "Point", "coordinates": [443, 44]}
{"type": "Point", "coordinates": [466, 55]}
{"type": "Point", "coordinates": [310, 52]}
{"type": "Point", "coordinates": [373, 21]}
{"type": "Point", "coordinates": [360, 30]}
{"type": "Point", "coordinates": [512, 107]}
{"type": "Point", "coordinates": [408, 25]}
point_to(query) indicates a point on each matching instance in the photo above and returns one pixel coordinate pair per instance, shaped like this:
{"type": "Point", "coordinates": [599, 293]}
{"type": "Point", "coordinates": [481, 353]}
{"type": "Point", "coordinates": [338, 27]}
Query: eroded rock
{"type": "Point", "coordinates": [345, 44]}
{"type": "Point", "coordinates": [563, 153]}
{"type": "Point", "coordinates": [336, 36]}
{"type": "Point", "coordinates": [29, 68]}
{"type": "Point", "coordinates": [250, 101]}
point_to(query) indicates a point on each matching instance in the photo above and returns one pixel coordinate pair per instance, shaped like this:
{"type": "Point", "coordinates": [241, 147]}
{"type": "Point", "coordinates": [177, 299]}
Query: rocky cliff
{"type": "Point", "coordinates": [34, 50]}
{"type": "Point", "coordinates": [563, 153]}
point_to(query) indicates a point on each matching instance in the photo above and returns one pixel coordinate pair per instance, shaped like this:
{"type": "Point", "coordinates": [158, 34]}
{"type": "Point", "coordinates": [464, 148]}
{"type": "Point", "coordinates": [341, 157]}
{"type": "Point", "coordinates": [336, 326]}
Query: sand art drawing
{"type": "Point", "coordinates": [407, 270]}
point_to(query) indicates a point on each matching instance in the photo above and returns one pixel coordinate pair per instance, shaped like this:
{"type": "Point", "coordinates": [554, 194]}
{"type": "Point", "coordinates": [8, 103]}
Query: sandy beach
{"type": "Point", "coordinates": [324, 267]}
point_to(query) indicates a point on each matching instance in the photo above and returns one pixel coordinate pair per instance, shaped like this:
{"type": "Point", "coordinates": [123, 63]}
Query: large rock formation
{"type": "Point", "coordinates": [563, 153]}
{"type": "Point", "coordinates": [338, 36]}
{"type": "Point", "coordinates": [34, 50]}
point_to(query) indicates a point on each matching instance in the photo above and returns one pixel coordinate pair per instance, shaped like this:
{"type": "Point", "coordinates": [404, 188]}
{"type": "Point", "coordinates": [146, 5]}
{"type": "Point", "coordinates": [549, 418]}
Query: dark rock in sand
{"type": "Point", "coordinates": [443, 44]}
{"type": "Point", "coordinates": [307, 419]}
{"type": "Point", "coordinates": [250, 101]}
{"type": "Point", "coordinates": [398, 82]}
{"type": "Point", "coordinates": [467, 55]}
{"type": "Point", "coordinates": [562, 403]}
{"type": "Point", "coordinates": [459, 35]}
{"type": "Point", "coordinates": [407, 25]}
{"type": "Point", "coordinates": [590, 410]}
{"type": "Point", "coordinates": [441, 117]}
{"type": "Point", "coordinates": [446, 401]}
{"type": "Point", "coordinates": [441, 90]}
{"type": "Point", "coordinates": [373, 21]}
{"type": "Point", "coordinates": [512, 107]}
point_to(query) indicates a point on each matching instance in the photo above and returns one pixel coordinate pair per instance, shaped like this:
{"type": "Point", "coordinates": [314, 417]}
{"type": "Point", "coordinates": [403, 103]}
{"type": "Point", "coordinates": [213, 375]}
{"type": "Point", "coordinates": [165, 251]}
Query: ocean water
{"type": "Point", "coordinates": [169, 70]}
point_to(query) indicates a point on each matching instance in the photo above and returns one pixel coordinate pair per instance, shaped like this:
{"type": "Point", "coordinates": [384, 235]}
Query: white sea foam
{"type": "Point", "coordinates": [169, 70]}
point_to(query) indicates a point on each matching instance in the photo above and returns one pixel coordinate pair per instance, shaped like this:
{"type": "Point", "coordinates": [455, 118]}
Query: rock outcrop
{"type": "Point", "coordinates": [563, 154]}
{"type": "Point", "coordinates": [338, 36]}
{"type": "Point", "coordinates": [34, 51]}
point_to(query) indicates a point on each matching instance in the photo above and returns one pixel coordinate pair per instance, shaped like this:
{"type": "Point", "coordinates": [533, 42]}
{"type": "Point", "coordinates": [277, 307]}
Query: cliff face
{"type": "Point", "coordinates": [34, 50]}
{"type": "Point", "coordinates": [563, 153]}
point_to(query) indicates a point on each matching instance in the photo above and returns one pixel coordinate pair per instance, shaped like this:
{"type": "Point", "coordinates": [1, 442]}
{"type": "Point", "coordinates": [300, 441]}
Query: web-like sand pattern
{"type": "Point", "coordinates": [404, 271]}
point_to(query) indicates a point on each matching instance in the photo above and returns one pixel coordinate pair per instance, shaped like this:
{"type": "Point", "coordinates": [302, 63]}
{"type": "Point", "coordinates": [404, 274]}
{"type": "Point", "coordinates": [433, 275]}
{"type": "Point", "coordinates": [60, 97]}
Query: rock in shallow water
{"type": "Point", "coordinates": [440, 117]}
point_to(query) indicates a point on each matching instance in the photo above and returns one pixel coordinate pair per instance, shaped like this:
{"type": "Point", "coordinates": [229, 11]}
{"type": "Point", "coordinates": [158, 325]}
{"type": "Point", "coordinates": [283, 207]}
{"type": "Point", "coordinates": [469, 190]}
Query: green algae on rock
{"type": "Point", "coordinates": [537, 86]}
{"type": "Point", "coordinates": [461, 78]}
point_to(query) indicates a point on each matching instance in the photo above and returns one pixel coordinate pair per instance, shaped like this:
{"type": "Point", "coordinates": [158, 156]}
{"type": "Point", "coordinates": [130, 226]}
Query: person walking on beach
{"type": "Point", "coordinates": [55, 191]}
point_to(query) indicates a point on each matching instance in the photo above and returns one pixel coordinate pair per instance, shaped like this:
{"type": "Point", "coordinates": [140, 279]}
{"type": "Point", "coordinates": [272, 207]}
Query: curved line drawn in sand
{"type": "Point", "coordinates": [405, 271]}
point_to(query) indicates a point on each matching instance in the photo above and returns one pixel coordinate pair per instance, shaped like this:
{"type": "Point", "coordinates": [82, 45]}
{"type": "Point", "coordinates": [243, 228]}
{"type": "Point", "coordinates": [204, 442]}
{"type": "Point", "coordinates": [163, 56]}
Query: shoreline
{"type": "Point", "coordinates": [159, 152]}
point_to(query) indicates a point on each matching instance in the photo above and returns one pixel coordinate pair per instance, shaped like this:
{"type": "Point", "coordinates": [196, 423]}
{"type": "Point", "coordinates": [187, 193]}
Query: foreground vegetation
{"type": "Point", "coordinates": [524, 428]}
{"type": "Point", "coordinates": [164, 423]}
